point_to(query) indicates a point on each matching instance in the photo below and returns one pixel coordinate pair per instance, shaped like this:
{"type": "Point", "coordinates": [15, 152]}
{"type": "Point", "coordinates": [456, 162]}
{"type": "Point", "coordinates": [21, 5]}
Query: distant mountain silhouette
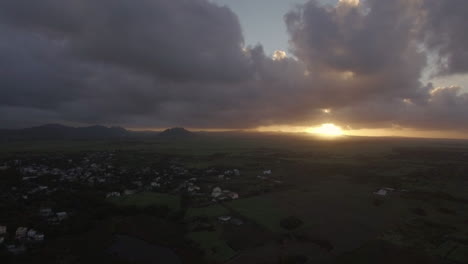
{"type": "Point", "coordinates": [176, 132]}
{"type": "Point", "coordinates": [57, 131]}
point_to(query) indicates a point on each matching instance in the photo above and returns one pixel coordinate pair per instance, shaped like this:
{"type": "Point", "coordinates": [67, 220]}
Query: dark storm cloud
{"type": "Point", "coordinates": [374, 43]}
{"type": "Point", "coordinates": [34, 71]}
{"type": "Point", "coordinates": [445, 33]}
{"type": "Point", "coordinates": [378, 46]}
{"type": "Point", "coordinates": [182, 39]}
{"type": "Point", "coordinates": [159, 63]}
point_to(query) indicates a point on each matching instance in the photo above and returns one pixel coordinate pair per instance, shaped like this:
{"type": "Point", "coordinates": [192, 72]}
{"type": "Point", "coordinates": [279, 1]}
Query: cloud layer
{"type": "Point", "coordinates": [160, 63]}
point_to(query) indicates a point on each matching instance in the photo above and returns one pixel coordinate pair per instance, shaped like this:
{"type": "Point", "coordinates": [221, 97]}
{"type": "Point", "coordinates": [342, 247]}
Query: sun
{"type": "Point", "coordinates": [326, 130]}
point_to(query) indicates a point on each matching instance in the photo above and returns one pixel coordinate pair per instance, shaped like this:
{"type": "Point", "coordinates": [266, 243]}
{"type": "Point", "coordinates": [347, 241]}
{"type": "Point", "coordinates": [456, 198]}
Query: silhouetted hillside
{"type": "Point", "coordinates": [176, 132]}
{"type": "Point", "coordinates": [57, 131]}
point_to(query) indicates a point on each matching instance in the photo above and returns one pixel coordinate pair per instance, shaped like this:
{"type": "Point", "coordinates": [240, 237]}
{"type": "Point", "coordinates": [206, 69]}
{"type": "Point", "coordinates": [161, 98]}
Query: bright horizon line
{"type": "Point", "coordinates": [378, 132]}
{"type": "Point", "coordinates": [395, 132]}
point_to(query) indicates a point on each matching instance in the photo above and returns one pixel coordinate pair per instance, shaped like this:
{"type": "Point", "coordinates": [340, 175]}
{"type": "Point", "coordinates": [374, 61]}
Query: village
{"type": "Point", "coordinates": [36, 183]}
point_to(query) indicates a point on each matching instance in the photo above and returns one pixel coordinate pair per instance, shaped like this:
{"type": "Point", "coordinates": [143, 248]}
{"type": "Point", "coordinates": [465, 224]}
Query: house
{"type": "Point", "coordinates": [267, 172]}
{"type": "Point", "coordinates": [53, 220]}
{"type": "Point", "coordinates": [129, 192]}
{"type": "Point", "coordinates": [45, 212]}
{"type": "Point", "coordinates": [224, 218]}
{"type": "Point", "coordinates": [42, 188]}
{"type": "Point", "coordinates": [62, 216]}
{"type": "Point", "coordinates": [233, 195]}
{"type": "Point", "coordinates": [138, 183]}
{"type": "Point", "coordinates": [381, 192]}
{"type": "Point", "coordinates": [112, 194]}
{"type": "Point", "coordinates": [193, 188]}
{"type": "Point", "coordinates": [216, 192]}
{"type": "Point", "coordinates": [39, 237]}
{"type": "Point", "coordinates": [21, 232]}
{"type": "Point", "coordinates": [3, 230]}
{"type": "Point", "coordinates": [101, 180]}
{"type": "Point", "coordinates": [32, 233]}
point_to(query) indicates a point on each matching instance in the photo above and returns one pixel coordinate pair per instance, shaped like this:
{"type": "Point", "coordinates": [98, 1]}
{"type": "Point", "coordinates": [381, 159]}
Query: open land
{"type": "Point", "coordinates": [235, 198]}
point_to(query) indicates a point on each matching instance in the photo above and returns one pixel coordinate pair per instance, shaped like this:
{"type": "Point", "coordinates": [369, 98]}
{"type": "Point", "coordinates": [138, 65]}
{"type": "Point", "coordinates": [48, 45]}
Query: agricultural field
{"type": "Point", "coordinates": [239, 198]}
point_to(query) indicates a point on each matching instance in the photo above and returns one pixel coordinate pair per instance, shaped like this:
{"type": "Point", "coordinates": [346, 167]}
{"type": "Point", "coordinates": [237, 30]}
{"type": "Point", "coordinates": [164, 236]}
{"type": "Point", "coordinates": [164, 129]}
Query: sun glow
{"type": "Point", "coordinates": [350, 2]}
{"type": "Point", "coordinates": [326, 130]}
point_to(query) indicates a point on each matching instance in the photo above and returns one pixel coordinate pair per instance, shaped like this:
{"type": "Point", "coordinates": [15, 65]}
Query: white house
{"type": "Point", "coordinates": [216, 192]}
{"type": "Point", "coordinates": [233, 195]}
{"type": "Point", "coordinates": [39, 237]}
{"type": "Point", "coordinates": [193, 188]}
{"type": "Point", "coordinates": [381, 192]}
{"type": "Point", "coordinates": [21, 232]}
{"type": "Point", "coordinates": [62, 216]}
{"type": "Point", "coordinates": [32, 233]}
{"type": "Point", "coordinates": [129, 192]}
{"type": "Point", "coordinates": [112, 194]}
{"type": "Point", "coordinates": [267, 172]}
{"type": "Point", "coordinates": [224, 218]}
{"type": "Point", "coordinates": [45, 212]}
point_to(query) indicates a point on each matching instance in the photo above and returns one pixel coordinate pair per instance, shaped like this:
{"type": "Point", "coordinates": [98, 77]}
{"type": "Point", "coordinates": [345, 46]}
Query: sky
{"type": "Point", "coordinates": [370, 67]}
{"type": "Point", "coordinates": [262, 21]}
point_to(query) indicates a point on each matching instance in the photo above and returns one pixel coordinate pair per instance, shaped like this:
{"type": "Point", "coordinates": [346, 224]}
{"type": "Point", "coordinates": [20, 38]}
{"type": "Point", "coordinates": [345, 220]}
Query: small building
{"type": "Point", "coordinates": [267, 172]}
{"type": "Point", "coordinates": [129, 192]}
{"type": "Point", "coordinates": [32, 233]}
{"type": "Point", "coordinates": [224, 218]}
{"type": "Point", "coordinates": [112, 194]}
{"type": "Point", "coordinates": [39, 237]}
{"type": "Point", "coordinates": [381, 192]}
{"type": "Point", "coordinates": [216, 192]}
{"type": "Point", "coordinates": [193, 188]}
{"type": "Point", "coordinates": [233, 195]}
{"type": "Point", "coordinates": [45, 212]}
{"type": "Point", "coordinates": [62, 216]}
{"type": "Point", "coordinates": [21, 232]}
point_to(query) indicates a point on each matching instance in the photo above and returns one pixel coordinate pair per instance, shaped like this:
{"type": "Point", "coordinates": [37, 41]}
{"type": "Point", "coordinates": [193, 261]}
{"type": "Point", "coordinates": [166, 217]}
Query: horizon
{"type": "Point", "coordinates": [305, 132]}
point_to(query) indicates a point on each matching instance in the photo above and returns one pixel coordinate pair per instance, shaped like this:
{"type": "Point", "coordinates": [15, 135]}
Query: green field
{"type": "Point", "coordinates": [328, 185]}
{"type": "Point", "coordinates": [146, 199]}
